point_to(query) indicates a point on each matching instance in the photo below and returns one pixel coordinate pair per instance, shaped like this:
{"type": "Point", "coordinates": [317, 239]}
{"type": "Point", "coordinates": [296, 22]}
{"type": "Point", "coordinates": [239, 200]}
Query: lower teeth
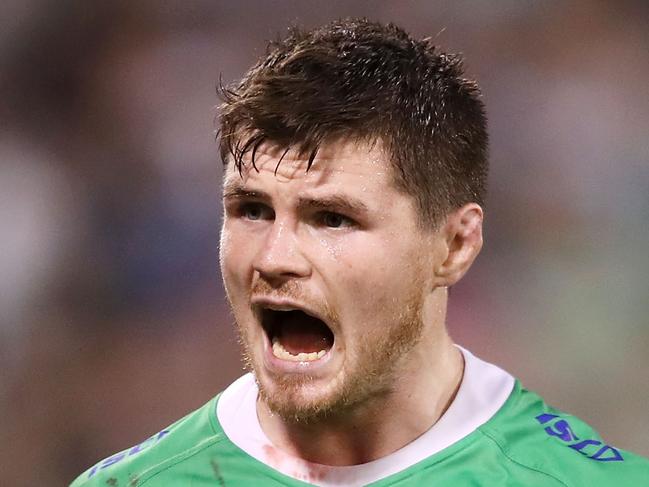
{"type": "Point", "coordinates": [280, 352]}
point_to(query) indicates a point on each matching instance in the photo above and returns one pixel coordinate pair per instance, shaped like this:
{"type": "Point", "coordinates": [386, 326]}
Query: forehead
{"type": "Point", "coordinates": [335, 163]}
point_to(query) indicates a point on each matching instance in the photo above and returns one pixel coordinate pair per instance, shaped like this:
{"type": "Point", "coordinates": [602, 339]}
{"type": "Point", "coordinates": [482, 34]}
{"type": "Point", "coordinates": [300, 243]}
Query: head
{"type": "Point", "coordinates": [355, 168]}
{"type": "Point", "coordinates": [370, 82]}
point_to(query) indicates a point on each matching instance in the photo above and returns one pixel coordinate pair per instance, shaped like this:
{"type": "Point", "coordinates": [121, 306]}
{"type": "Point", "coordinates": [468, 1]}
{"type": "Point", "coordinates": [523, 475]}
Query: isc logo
{"type": "Point", "coordinates": [127, 453]}
{"type": "Point", "coordinates": [593, 449]}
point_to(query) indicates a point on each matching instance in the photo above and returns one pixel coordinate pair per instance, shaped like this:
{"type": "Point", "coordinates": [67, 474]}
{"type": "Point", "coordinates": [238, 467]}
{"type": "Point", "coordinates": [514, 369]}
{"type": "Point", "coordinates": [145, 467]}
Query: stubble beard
{"type": "Point", "coordinates": [371, 374]}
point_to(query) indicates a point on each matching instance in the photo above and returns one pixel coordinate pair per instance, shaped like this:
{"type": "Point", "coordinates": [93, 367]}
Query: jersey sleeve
{"type": "Point", "coordinates": [125, 468]}
{"type": "Point", "coordinates": [539, 437]}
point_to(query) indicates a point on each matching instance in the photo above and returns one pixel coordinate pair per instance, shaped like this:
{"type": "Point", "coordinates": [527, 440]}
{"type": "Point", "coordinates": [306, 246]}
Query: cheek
{"type": "Point", "coordinates": [225, 256]}
{"type": "Point", "coordinates": [224, 247]}
{"type": "Point", "coordinates": [234, 262]}
{"type": "Point", "coordinates": [377, 279]}
{"type": "Point", "coordinates": [367, 283]}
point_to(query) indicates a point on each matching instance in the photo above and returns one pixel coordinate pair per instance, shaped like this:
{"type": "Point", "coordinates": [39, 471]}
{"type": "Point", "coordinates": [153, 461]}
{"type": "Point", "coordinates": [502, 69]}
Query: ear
{"type": "Point", "coordinates": [462, 237]}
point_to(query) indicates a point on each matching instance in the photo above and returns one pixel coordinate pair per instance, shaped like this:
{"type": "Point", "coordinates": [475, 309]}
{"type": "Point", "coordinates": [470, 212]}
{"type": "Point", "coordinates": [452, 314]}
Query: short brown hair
{"type": "Point", "coordinates": [368, 81]}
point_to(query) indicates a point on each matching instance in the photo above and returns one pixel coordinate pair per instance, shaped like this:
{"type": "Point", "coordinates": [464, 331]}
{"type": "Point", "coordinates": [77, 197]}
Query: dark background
{"type": "Point", "coordinates": [112, 320]}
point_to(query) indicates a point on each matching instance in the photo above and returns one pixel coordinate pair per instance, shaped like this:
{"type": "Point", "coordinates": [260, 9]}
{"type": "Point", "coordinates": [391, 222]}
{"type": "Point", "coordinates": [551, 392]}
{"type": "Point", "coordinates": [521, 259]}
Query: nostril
{"type": "Point", "coordinates": [279, 267]}
{"type": "Point", "coordinates": [281, 255]}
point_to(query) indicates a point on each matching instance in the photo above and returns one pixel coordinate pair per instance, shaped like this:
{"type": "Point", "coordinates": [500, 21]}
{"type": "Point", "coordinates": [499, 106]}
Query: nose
{"type": "Point", "coordinates": [281, 258]}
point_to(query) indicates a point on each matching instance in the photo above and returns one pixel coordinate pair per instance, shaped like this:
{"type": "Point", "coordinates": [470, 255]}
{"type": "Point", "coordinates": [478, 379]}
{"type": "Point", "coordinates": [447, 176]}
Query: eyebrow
{"type": "Point", "coordinates": [239, 192]}
{"type": "Point", "coordinates": [334, 202]}
{"type": "Point", "coordinates": [235, 188]}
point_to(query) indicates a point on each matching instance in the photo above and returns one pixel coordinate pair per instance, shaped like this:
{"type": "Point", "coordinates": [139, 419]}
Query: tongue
{"type": "Point", "coordinates": [299, 332]}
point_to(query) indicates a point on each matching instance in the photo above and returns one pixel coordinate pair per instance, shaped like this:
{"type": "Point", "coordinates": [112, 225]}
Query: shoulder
{"type": "Point", "coordinates": [534, 436]}
{"type": "Point", "coordinates": [178, 444]}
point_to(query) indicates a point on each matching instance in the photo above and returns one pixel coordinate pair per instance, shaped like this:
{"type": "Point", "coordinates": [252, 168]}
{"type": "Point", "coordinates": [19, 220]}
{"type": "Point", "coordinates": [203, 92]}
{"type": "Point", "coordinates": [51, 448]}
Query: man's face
{"type": "Point", "coordinates": [326, 272]}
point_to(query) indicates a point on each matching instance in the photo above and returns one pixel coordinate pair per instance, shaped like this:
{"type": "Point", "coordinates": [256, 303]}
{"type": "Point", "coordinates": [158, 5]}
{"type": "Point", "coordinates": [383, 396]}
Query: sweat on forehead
{"type": "Point", "coordinates": [330, 157]}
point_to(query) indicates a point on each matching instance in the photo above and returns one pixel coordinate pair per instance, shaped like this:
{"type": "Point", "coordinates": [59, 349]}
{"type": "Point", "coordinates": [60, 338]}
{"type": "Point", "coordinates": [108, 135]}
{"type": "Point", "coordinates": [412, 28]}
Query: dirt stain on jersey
{"type": "Point", "coordinates": [298, 468]}
{"type": "Point", "coordinates": [217, 472]}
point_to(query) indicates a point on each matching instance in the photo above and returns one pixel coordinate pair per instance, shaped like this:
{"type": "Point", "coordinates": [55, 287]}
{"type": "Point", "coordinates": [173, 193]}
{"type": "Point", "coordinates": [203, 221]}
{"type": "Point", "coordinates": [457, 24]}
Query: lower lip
{"type": "Point", "coordinates": [289, 366]}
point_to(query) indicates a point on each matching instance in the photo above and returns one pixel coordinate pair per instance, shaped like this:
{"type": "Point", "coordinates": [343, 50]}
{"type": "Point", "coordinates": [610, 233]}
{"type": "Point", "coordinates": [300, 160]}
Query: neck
{"type": "Point", "coordinates": [425, 385]}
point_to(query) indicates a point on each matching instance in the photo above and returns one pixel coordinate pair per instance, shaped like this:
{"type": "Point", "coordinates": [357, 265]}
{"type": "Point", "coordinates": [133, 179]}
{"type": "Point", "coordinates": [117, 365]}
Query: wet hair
{"type": "Point", "coordinates": [361, 80]}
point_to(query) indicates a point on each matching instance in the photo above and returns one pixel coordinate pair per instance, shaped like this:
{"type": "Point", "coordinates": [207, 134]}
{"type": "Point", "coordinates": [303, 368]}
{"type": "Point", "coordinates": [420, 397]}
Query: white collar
{"type": "Point", "coordinates": [484, 389]}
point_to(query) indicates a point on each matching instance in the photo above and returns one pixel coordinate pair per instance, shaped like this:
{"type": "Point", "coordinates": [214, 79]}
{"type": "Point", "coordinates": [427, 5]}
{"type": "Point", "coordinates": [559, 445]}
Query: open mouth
{"type": "Point", "coordinates": [296, 336]}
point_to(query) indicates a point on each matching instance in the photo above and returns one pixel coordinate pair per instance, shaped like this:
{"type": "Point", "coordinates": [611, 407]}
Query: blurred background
{"type": "Point", "coordinates": [112, 317]}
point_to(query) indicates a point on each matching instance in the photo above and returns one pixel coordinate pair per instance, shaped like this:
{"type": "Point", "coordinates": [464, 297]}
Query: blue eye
{"type": "Point", "coordinates": [256, 211]}
{"type": "Point", "coordinates": [335, 220]}
{"type": "Point", "coordinates": [252, 212]}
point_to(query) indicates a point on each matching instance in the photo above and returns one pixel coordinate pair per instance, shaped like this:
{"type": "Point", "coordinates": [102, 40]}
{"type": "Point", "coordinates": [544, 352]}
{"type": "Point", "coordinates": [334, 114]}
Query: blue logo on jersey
{"type": "Point", "coordinates": [593, 449]}
{"type": "Point", "coordinates": [127, 453]}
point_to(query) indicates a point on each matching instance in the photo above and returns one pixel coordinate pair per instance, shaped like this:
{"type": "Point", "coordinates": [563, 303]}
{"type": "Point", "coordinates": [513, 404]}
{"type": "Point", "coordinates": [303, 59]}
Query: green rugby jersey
{"type": "Point", "coordinates": [495, 433]}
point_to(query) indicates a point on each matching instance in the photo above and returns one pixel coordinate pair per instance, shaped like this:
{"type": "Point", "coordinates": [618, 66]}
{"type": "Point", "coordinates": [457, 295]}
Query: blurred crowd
{"type": "Point", "coordinates": [112, 316]}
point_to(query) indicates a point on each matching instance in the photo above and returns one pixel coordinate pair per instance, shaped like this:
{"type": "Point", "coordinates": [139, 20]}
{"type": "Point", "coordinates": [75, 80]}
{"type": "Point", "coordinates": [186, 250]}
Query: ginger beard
{"type": "Point", "coordinates": [369, 371]}
{"type": "Point", "coordinates": [342, 241]}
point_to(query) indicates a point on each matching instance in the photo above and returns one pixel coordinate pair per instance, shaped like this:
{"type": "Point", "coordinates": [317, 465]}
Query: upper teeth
{"type": "Point", "coordinates": [280, 308]}
{"type": "Point", "coordinates": [280, 352]}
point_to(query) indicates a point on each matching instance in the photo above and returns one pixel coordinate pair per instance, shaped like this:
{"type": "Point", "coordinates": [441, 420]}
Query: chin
{"type": "Point", "coordinates": [300, 399]}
